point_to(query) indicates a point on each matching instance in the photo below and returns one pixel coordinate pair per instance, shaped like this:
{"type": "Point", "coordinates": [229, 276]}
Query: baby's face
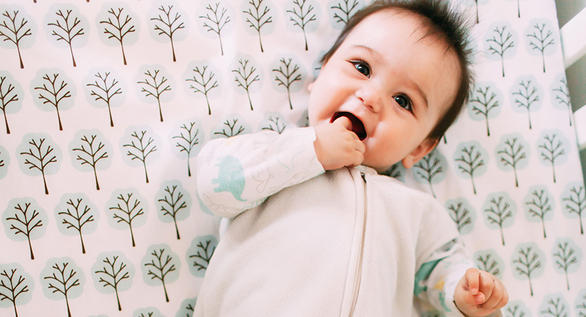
{"type": "Point", "coordinates": [393, 84]}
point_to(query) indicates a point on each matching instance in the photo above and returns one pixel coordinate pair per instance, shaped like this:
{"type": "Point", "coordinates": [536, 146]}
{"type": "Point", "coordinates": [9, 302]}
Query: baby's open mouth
{"type": "Point", "coordinates": [357, 125]}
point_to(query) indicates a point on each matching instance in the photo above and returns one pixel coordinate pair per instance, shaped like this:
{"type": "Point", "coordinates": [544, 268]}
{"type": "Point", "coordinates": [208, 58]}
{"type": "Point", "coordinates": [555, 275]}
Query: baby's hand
{"type": "Point", "coordinates": [336, 145]}
{"type": "Point", "coordinates": [479, 293]}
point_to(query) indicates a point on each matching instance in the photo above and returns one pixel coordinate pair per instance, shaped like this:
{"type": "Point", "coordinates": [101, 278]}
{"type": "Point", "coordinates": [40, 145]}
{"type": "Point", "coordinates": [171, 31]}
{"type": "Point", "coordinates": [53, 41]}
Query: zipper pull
{"type": "Point", "coordinates": [363, 176]}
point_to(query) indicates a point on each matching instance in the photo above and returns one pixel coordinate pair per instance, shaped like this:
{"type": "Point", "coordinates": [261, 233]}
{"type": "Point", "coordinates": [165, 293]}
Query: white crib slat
{"type": "Point", "coordinates": [574, 39]}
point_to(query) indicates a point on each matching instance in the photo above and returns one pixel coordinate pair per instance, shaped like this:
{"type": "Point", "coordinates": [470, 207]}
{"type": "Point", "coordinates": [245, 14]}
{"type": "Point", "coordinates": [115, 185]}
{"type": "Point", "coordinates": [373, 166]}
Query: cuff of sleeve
{"type": "Point", "coordinates": [306, 156]}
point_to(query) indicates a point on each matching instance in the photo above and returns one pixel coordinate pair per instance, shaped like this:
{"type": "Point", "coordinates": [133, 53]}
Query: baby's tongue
{"type": "Point", "coordinates": [357, 125]}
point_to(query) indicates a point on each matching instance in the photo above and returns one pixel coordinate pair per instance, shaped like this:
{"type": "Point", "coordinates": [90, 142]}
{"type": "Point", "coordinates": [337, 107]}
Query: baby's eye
{"type": "Point", "coordinates": [362, 67]}
{"type": "Point", "coordinates": [404, 102]}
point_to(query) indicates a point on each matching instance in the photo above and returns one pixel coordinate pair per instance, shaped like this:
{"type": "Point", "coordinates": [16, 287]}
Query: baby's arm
{"type": "Point", "coordinates": [239, 173]}
{"type": "Point", "coordinates": [479, 293]}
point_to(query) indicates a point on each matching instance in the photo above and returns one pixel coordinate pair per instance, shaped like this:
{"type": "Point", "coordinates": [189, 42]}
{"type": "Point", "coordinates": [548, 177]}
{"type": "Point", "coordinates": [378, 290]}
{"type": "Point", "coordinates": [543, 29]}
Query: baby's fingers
{"type": "Point", "coordinates": [499, 296]}
{"type": "Point", "coordinates": [472, 280]}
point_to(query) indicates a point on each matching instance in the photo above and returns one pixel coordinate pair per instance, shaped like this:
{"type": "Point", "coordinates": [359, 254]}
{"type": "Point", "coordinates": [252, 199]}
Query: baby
{"type": "Point", "coordinates": [315, 230]}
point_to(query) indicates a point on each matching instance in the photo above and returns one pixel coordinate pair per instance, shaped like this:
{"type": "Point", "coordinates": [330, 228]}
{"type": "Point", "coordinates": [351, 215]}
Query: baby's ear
{"type": "Point", "coordinates": [419, 152]}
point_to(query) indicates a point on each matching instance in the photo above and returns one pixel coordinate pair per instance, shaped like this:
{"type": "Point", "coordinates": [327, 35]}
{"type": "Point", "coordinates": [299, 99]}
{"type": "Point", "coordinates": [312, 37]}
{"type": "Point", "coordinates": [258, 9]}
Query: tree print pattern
{"type": "Point", "coordinates": [230, 128]}
{"type": "Point", "coordinates": [66, 28]}
{"type": "Point", "coordinates": [215, 19]}
{"type": "Point", "coordinates": [482, 102]}
{"type": "Point", "coordinates": [14, 31]}
{"type": "Point", "coordinates": [498, 212]}
{"type": "Point", "coordinates": [155, 86]}
{"type": "Point", "coordinates": [525, 97]}
{"type": "Point", "coordinates": [117, 26]}
{"type": "Point", "coordinates": [39, 158]}
{"type": "Point", "coordinates": [565, 258]}
{"type": "Point", "coordinates": [167, 24]}
{"type": "Point", "coordinates": [245, 76]}
{"type": "Point", "coordinates": [91, 152]}
{"type": "Point", "coordinates": [203, 83]}
{"type": "Point", "coordinates": [540, 39]}
{"type": "Point", "coordinates": [6, 97]}
{"type": "Point", "coordinates": [62, 281]}
{"type": "Point", "coordinates": [500, 43]}
{"type": "Point", "coordinates": [575, 203]}
{"type": "Point", "coordinates": [257, 16]}
{"type": "Point", "coordinates": [200, 254]}
{"type": "Point", "coordinates": [343, 10]}
{"type": "Point", "coordinates": [112, 274]}
{"type": "Point", "coordinates": [301, 15]}
{"type": "Point", "coordinates": [460, 214]}
{"type": "Point", "coordinates": [487, 261]}
{"type": "Point", "coordinates": [127, 209]}
{"type": "Point", "coordinates": [511, 153]}
{"type": "Point", "coordinates": [23, 222]}
{"type": "Point", "coordinates": [171, 204]}
{"type": "Point", "coordinates": [429, 168]}
{"type": "Point", "coordinates": [562, 96]}
{"type": "Point", "coordinates": [275, 123]}
{"type": "Point", "coordinates": [104, 91]}
{"type": "Point", "coordinates": [538, 205]}
{"type": "Point", "coordinates": [286, 75]}
{"type": "Point", "coordinates": [160, 266]}
{"type": "Point", "coordinates": [76, 216]}
{"type": "Point", "coordinates": [12, 285]}
{"type": "Point", "coordinates": [554, 306]}
{"type": "Point", "coordinates": [188, 139]}
{"type": "Point", "coordinates": [528, 263]}
{"type": "Point", "coordinates": [470, 160]}
{"type": "Point", "coordinates": [551, 149]}
{"type": "Point", "coordinates": [53, 92]}
{"type": "Point", "coordinates": [140, 148]}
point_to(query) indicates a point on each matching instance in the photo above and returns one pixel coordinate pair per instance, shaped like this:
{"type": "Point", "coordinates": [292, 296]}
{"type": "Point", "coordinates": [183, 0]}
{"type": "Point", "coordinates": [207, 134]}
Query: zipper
{"type": "Point", "coordinates": [358, 273]}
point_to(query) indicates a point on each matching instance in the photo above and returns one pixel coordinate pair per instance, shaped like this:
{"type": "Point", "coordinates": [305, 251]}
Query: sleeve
{"type": "Point", "coordinates": [238, 173]}
{"type": "Point", "coordinates": [437, 277]}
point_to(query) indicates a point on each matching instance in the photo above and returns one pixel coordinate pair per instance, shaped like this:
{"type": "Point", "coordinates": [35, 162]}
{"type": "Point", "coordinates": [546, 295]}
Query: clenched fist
{"type": "Point", "coordinates": [479, 293]}
{"type": "Point", "coordinates": [336, 145]}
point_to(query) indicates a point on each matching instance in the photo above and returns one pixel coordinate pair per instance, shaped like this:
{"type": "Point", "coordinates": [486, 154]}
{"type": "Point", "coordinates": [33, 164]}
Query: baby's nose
{"type": "Point", "coordinates": [369, 97]}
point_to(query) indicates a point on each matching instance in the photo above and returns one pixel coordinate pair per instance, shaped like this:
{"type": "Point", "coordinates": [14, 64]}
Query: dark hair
{"type": "Point", "coordinates": [442, 22]}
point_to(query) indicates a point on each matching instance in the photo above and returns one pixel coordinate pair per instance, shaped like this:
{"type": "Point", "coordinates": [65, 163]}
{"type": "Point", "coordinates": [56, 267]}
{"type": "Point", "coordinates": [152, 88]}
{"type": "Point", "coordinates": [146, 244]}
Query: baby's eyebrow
{"type": "Point", "coordinates": [374, 54]}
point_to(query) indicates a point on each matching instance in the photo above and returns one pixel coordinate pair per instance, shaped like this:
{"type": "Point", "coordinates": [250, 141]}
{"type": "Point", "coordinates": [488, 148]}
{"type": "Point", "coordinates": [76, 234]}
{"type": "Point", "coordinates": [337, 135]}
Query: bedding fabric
{"type": "Point", "coordinates": [107, 103]}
